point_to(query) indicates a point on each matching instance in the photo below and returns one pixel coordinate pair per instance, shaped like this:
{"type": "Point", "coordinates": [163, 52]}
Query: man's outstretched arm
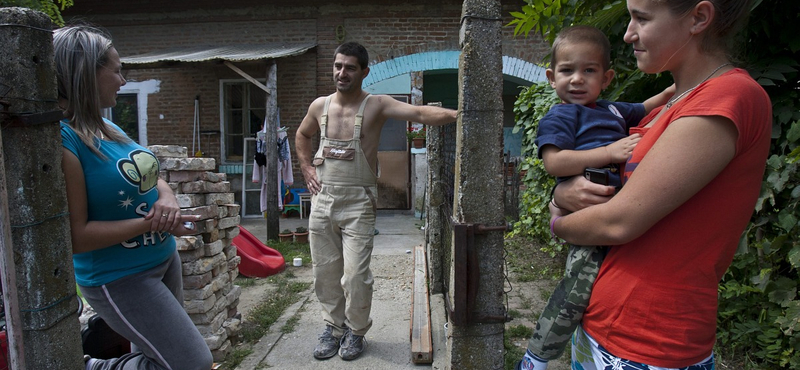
{"type": "Point", "coordinates": [425, 114]}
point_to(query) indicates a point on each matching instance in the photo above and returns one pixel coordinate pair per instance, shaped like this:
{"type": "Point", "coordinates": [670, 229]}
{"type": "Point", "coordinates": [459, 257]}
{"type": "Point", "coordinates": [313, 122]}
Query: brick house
{"type": "Point", "coordinates": [188, 64]}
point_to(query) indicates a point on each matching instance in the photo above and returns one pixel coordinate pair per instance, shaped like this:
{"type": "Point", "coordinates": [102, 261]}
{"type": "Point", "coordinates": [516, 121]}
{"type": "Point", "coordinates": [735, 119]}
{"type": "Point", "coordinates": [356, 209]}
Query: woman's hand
{"type": "Point", "coordinates": [187, 226]}
{"type": "Point", "coordinates": [578, 193]}
{"type": "Point", "coordinates": [165, 214]}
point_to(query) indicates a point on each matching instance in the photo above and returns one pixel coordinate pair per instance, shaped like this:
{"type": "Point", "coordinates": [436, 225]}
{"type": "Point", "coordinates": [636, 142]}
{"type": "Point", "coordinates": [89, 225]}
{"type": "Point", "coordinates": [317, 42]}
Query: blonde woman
{"type": "Point", "coordinates": [123, 218]}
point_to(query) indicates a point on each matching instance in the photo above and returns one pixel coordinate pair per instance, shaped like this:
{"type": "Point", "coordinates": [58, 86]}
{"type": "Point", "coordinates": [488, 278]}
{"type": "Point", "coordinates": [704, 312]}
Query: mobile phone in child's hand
{"type": "Point", "coordinates": [596, 175]}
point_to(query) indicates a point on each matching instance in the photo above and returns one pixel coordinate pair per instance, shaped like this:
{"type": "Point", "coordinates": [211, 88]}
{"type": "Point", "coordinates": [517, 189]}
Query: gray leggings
{"type": "Point", "coordinates": [147, 309]}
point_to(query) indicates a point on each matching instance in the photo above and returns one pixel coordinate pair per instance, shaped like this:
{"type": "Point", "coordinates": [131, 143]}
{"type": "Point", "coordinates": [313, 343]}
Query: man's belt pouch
{"type": "Point", "coordinates": [334, 152]}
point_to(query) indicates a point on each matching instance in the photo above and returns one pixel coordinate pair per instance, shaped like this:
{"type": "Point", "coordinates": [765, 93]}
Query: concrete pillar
{"type": "Point", "coordinates": [435, 218]}
{"type": "Point", "coordinates": [419, 181]}
{"type": "Point", "coordinates": [478, 195]}
{"type": "Point", "coordinates": [37, 202]}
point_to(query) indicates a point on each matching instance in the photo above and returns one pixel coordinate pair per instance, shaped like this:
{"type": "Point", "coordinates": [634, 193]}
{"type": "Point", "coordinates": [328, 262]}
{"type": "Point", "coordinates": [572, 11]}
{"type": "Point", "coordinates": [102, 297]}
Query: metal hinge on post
{"type": "Point", "coordinates": [30, 119]}
{"type": "Point", "coordinates": [466, 274]}
{"type": "Point", "coordinates": [15, 119]}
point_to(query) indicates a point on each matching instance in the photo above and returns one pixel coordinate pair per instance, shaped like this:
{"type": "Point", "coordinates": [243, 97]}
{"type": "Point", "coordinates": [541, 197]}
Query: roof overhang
{"type": "Point", "coordinates": [230, 53]}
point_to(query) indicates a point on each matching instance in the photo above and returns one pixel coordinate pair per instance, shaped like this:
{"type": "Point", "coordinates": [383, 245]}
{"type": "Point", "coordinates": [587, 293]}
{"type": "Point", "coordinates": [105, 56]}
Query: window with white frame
{"type": "Point", "coordinates": [130, 113]}
{"type": "Point", "coordinates": [243, 111]}
{"type": "Point", "coordinates": [126, 114]}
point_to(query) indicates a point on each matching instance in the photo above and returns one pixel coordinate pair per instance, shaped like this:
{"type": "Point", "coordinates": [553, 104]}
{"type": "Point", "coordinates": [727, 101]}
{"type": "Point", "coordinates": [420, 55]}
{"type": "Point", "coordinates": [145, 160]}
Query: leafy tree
{"type": "Point", "coordinates": [759, 309]}
{"type": "Point", "coordinates": [52, 8]}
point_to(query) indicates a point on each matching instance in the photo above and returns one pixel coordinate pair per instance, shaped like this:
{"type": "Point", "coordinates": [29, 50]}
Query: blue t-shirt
{"type": "Point", "coordinates": [580, 127]}
{"type": "Point", "coordinates": [122, 186]}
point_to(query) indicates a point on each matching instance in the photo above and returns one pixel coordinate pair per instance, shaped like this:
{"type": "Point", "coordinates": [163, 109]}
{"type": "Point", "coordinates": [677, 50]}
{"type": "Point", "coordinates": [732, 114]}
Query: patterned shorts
{"type": "Point", "coordinates": [587, 354]}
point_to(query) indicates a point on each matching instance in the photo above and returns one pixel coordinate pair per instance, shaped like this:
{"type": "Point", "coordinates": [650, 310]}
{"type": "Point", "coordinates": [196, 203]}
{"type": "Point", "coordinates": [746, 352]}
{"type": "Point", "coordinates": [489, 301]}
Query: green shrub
{"type": "Point", "coordinates": [531, 105]}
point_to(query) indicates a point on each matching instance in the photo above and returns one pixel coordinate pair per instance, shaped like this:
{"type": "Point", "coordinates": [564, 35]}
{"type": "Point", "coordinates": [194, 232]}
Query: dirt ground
{"type": "Point", "coordinates": [532, 275]}
{"type": "Point", "coordinates": [397, 274]}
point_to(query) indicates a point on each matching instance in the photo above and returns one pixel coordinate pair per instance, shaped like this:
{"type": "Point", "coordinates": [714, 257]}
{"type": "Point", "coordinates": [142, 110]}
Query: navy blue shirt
{"type": "Point", "coordinates": [580, 127]}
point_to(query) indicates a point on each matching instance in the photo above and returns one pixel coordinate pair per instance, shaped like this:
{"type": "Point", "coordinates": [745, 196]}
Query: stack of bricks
{"type": "Point", "coordinates": [209, 260]}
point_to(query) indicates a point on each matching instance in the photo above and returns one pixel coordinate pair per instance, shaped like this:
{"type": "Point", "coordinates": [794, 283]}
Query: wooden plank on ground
{"type": "Point", "coordinates": [421, 342]}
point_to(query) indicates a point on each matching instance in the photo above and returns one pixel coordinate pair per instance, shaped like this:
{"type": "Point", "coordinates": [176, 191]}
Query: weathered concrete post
{"type": "Point", "coordinates": [36, 196]}
{"type": "Point", "coordinates": [435, 220]}
{"type": "Point", "coordinates": [478, 198]}
{"type": "Point", "coordinates": [273, 214]}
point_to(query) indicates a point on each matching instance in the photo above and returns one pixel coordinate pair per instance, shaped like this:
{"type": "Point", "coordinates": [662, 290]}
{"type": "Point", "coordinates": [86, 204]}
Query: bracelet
{"type": "Point", "coordinates": [553, 202]}
{"type": "Point", "coordinates": [552, 225]}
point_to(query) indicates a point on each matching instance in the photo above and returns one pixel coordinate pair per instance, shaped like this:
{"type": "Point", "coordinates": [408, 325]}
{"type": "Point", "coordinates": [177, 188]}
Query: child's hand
{"type": "Point", "coordinates": [669, 91]}
{"type": "Point", "coordinates": [621, 150]}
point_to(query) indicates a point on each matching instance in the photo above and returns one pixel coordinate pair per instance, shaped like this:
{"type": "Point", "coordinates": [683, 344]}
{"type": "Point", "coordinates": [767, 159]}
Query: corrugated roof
{"type": "Point", "coordinates": [233, 53]}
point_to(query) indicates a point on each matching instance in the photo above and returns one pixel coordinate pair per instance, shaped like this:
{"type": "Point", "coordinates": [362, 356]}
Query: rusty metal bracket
{"type": "Point", "coordinates": [483, 229]}
{"type": "Point", "coordinates": [466, 274]}
{"type": "Point", "coordinates": [30, 119]}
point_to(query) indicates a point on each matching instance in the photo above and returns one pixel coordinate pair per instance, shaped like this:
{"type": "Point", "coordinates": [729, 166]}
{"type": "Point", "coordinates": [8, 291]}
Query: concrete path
{"type": "Point", "coordinates": [388, 344]}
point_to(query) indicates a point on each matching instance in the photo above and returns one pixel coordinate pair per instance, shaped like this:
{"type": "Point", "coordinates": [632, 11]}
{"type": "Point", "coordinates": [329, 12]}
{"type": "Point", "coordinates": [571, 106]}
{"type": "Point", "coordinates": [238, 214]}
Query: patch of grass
{"type": "Point", "coordinates": [534, 316]}
{"type": "Point", "coordinates": [514, 313]}
{"type": "Point", "coordinates": [519, 331]}
{"type": "Point", "coordinates": [245, 282]}
{"type": "Point", "coordinates": [729, 358]}
{"type": "Point", "coordinates": [526, 303]}
{"type": "Point", "coordinates": [291, 250]}
{"type": "Point", "coordinates": [266, 313]}
{"type": "Point", "coordinates": [236, 357]}
{"type": "Point", "coordinates": [546, 294]}
{"type": "Point", "coordinates": [529, 263]}
{"type": "Point", "coordinates": [286, 274]}
{"type": "Point", "coordinates": [527, 277]}
{"type": "Point", "coordinates": [513, 352]}
{"type": "Point", "coordinates": [290, 324]}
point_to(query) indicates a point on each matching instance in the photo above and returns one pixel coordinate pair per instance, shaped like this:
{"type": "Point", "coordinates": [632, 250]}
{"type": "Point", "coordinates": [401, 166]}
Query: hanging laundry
{"type": "Point", "coordinates": [284, 175]}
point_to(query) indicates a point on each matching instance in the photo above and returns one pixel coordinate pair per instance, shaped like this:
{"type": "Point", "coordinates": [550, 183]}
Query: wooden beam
{"type": "Point", "coordinates": [421, 342]}
{"type": "Point", "coordinates": [247, 77]}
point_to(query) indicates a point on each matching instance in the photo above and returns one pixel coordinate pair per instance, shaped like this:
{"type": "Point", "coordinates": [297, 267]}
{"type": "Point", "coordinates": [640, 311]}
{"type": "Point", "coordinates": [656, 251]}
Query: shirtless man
{"type": "Point", "coordinates": [342, 178]}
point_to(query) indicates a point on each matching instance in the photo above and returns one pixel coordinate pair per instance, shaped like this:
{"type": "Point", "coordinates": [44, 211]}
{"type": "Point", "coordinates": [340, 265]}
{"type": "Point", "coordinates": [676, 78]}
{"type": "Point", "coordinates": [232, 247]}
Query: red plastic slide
{"type": "Point", "coordinates": [258, 260]}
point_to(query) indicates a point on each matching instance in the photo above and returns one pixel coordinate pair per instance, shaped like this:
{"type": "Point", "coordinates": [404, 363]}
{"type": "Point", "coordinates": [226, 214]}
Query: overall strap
{"type": "Point", "coordinates": [360, 114]}
{"type": "Point", "coordinates": [324, 119]}
{"type": "Point", "coordinates": [360, 118]}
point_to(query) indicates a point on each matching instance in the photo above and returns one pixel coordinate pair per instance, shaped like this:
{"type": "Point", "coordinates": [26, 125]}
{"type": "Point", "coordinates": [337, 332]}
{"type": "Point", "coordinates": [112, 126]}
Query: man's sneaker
{"type": "Point", "coordinates": [352, 346]}
{"type": "Point", "coordinates": [328, 344]}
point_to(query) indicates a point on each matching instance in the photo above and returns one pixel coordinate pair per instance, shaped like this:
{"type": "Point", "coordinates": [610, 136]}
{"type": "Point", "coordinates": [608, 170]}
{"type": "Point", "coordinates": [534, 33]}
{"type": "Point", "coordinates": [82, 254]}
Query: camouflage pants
{"type": "Point", "coordinates": [566, 306]}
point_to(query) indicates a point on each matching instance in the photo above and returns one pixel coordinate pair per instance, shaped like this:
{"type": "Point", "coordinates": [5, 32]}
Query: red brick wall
{"type": "Point", "coordinates": [179, 86]}
{"type": "Point", "coordinates": [387, 28]}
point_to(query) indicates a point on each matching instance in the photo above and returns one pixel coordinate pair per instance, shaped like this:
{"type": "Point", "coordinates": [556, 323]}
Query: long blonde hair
{"type": "Point", "coordinates": [79, 51]}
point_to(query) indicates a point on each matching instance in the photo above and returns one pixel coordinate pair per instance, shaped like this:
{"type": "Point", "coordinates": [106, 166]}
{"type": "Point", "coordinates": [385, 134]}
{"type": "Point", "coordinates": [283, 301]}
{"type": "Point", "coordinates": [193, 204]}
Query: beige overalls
{"type": "Point", "coordinates": [341, 226]}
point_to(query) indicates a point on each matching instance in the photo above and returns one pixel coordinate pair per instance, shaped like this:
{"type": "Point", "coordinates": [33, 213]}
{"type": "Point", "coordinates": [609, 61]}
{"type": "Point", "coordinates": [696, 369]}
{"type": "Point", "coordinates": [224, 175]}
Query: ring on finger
{"type": "Point", "coordinates": [164, 214]}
